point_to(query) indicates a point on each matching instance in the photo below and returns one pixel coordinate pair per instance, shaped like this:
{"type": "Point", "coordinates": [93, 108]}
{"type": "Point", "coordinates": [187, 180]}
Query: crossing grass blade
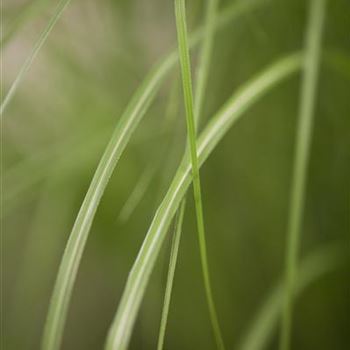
{"type": "Point", "coordinates": [127, 124]}
{"type": "Point", "coordinates": [302, 155]}
{"type": "Point", "coordinates": [122, 325]}
{"type": "Point", "coordinates": [323, 260]}
{"type": "Point", "coordinates": [181, 26]}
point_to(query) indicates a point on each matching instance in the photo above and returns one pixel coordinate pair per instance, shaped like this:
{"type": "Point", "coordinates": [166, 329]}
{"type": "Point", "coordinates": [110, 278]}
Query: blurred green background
{"type": "Point", "coordinates": [56, 128]}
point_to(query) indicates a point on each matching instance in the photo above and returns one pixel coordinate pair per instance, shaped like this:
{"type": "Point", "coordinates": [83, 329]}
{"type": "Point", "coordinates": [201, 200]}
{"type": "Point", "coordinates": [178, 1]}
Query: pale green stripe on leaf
{"type": "Point", "coordinates": [185, 64]}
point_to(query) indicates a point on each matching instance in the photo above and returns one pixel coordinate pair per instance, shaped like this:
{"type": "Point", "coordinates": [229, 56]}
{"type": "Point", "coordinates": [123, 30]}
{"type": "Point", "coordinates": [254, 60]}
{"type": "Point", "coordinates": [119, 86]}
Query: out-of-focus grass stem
{"type": "Point", "coordinates": [311, 59]}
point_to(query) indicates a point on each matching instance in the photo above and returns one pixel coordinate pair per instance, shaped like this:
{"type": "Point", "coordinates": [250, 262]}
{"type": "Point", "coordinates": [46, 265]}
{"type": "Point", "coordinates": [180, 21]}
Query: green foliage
{"type": "Point", "coordinates": [53, 177]}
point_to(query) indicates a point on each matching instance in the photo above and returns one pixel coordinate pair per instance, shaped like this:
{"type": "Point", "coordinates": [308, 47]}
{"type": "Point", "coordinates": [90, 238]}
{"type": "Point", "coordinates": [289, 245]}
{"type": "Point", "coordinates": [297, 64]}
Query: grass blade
{"type": "Point", "coordinates": [303, 142]}
{"type": "Point", "coordinates": [318, 263]}
{"type": "Point", "coordinates": [202, 78]}
{"type": "Point", "coordinates": [62, 4]}
{"type": "Point", "coordinates": [130, 119]}
{"type": "Point", "coordinates": [171, 272]}
{"type": "Point", "coordinates": [77, 240]}
{"type": "Point", "coordinates": [121, 328]}
{"type": "Point", "coordinates": [191, 133]}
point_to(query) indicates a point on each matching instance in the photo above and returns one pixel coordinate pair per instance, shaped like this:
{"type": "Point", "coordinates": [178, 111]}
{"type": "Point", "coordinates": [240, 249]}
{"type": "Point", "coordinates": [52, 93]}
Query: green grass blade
{"type": "Point", "coordinates": [171, 272]}
{"type": "Point", "coordinates": [38, 45]}
{"type": "Point", "coordinates": [202, 77]}
{"type": "Point", "coordinates": [72, 256]}
{"type": "Point", "coordinates": [180, 13]}
{"type": "Point", "coordinates": [121, 328]}
{"type": "Point", "coordinates": [318, 263]}
{"type": "Point", "coordinates": [303, 142]}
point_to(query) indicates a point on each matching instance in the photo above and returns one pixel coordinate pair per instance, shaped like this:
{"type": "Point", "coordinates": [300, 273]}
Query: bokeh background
{"type": "Point", "coordinates": [60, 120]}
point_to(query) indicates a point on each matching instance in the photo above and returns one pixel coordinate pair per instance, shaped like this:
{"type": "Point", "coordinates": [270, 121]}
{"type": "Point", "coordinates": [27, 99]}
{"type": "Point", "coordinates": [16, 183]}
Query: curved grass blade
{"type": "Point", "coordinates": [133, 114]}
{"type": "Point", "coordinates": [171, 272]}
{"type": "Point", "coordinates": [302, 154]}
{"type": "Point", "coordinates": [62, 4]}
{"type": "Point", "coordinates": [121, 328]}
{"type": "Point", "coordinates": [77, 240]}
{"type": "Point", "coordinates": [181, 27]}
{"type": "Point", "coordinates": [318, 263]}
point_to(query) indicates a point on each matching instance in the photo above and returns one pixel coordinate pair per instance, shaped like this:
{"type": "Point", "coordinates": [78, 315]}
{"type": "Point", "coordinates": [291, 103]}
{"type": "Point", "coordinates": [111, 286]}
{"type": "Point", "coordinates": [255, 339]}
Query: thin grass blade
{"type": "Point", "coordinates": [62, 4]}
{"type": "Point", "coordinates": [180, 13]}
{"type": "Point", "coordinates": [301, 160]}
{"type": "Point", "coordinates": [171, 272]}
{"type": "Point", "coordinates": [201, 83]}
{"type": "Point", "coordinates": [121, 328]}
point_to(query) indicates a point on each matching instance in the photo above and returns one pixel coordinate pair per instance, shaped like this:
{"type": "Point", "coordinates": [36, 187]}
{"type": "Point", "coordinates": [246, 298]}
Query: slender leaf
{"type": "Point", "coordinates": [62, 4]}
{"type": "Point", "coordinates": [302, 154]}
{"type": "Point", "coordinates": [180, 12]}
{"type": "Point", "coordinates": [121, 328]}
{"type": "Point", "coordinates": [201, 83]}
